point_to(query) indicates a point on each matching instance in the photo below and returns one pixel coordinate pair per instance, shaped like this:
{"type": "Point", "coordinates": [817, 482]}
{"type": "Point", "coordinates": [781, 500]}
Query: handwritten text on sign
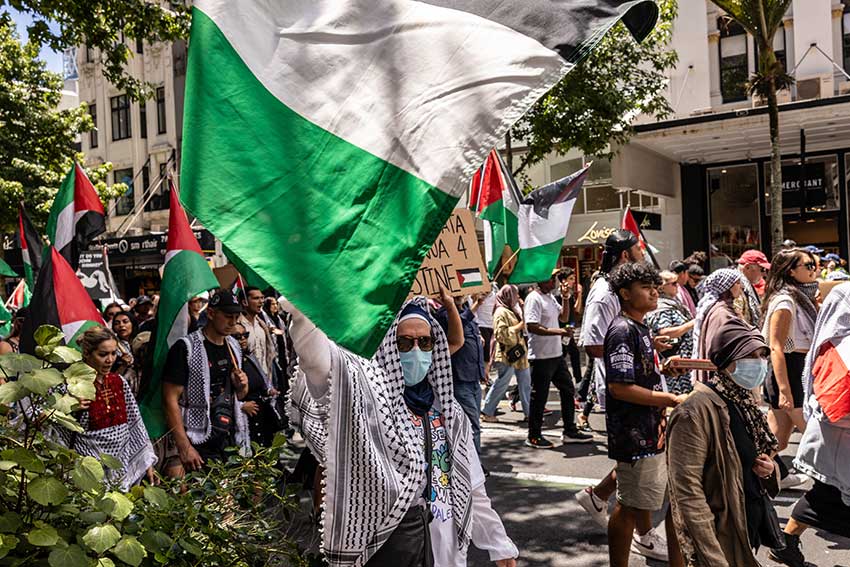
{"type": "Point", "coordinates": [454, 260]}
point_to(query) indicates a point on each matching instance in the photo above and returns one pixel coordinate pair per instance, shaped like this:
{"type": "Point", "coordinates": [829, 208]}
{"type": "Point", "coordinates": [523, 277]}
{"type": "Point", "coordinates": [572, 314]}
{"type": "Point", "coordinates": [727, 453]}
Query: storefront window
{"type": "Point", "coordinates": [816, 188]}
{"type": "Point", "coordinates": [602, 198]}
{"type": "Point", "coordinates": [733, 201]}
{"type": "Point", "coordinates": [124, 205]}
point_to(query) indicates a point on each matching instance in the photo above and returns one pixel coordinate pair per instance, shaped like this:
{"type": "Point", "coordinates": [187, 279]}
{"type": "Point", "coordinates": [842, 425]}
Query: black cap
{"type": "Point", "coordinates": [142, 299]}
{"type": "Point", "coordinates": [677, 266]}
{"type": "Point", "coordinates": [619, 241]}
{"type": "Point", "coordinates": [224, 301]}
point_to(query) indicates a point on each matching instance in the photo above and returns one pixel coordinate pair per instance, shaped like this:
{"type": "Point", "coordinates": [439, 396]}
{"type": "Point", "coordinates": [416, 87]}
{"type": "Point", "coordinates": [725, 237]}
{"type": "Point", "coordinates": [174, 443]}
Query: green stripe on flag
{"type": "Point", "coordinates": [536, 264]}
{"type": "Point", "coordinates": [6, 270]}
{"type": "Point", "coordinates": [336, 229]}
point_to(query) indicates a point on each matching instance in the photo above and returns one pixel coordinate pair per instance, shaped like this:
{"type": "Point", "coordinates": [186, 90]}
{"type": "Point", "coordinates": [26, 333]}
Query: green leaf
{"type": "Point", "coordinates": [9, 522]}
{"type": "Point", "coordinates": [65, 403]}
{"type": "Point", "coordinates": [116, 505]}
{"type": "Point", "coordinates": [82, 389]}
{"type": "Point", "coordinates": [27, 459]}
{"type": "Point", "coordinates": [65, 421]}
{"type": "Point", "coordinates": [7, 465]}
{"type": "Point", "coordinates": [190, 547]}
{"type": "Point", "coordinates": [71, 556]}
{"type": "Point", "coordinates": [79, 371]}
{"type": "Point", "coordinates": [156, 540]}
{"type": "Point", "coordinates": [157, 496]}
{"type": "Point", "coordinates": [48, 336]}
{"type": "Point", "coordinates": [44, 536]}
{"type": "Point", "coordinates": [65, 354]}
{"type": "Point", "coordinates": [102, 537]}
{"type": "Point", "coordinates": [93, 517]}
{"type": "Point", "coordinates": [105, 562]}
{"type": "Point", "coordinates": [129, 550]}
{"type": "Point", "coordinates": [12, 392]}
{"type": "Point", "coordinates": [42, 380]}
{"type": "Point", "coordinates": [88, 474]}
{"type": "Point", "coordinates": [47, 491]}
{"type": "Point", "coordinates": [19, 363]}
{"type": "Point", "coordinates": [9, 543]}
{"type": "Point", "coordinates": [110, 462]}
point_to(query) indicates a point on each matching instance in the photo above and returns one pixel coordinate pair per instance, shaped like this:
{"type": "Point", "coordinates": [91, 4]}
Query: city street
{"type": "Point", "coordinates": [534, 490]}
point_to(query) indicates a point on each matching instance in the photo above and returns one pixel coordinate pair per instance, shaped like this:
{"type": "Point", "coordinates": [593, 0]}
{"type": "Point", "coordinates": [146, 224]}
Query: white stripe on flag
{"type": "Point", "coordinates": [536, 231]}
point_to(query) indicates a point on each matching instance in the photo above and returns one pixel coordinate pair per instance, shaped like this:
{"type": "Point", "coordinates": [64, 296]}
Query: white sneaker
{"type": "Point", "coordinates": [651, 544]}
{"type": "Point", "coordinates": [791, 481]}
{"type": "Point", "coordinates": [594, 506]}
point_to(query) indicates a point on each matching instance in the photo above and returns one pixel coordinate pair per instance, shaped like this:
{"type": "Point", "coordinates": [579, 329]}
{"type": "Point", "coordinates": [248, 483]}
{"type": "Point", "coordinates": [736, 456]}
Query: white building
{"type": "Point", "coordinates": [708, 163]}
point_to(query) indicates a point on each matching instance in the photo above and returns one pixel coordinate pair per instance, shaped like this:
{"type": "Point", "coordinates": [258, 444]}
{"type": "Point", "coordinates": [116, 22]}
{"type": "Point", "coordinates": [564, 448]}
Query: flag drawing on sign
{"type": "Point", "coordinates": [59, 299]}
{"type": "Point", "coordinates": [360, 148]}
{"type": "Point", "coordinates": [31, 246]}
{"type": "Point", "coordinates": [186, 275]}
{"type": "Point", "coordinates": [469, 277]}
{"type": "Point", "coordinates": [544, 217]}
{"type": "Point", "coordinates": [76, 216]}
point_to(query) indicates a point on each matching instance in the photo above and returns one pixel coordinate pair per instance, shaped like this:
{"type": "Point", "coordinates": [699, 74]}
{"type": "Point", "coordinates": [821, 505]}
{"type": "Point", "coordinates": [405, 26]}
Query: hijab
{"type": "Point", "coordinates": [715, 285]}
{"type": "Point", "coordinates": [508, 297]}
{"type": "Point", "coordinates": [419, 397]}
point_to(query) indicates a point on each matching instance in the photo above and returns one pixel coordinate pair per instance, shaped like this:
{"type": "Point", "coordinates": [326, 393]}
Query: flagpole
{"type": "Point", "coordinates": [504, 264]}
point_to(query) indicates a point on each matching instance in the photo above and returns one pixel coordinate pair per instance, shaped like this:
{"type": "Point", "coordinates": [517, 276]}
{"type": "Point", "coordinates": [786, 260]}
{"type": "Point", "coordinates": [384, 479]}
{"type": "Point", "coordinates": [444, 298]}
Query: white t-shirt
{"type": "Point", "coordinates": [484, 313]}
{"type": "Point", "coordinates": [541, 308]}
{"type": "Point", "coordinates": [601, 309]}
{"type": "Point", "coordinates": [802, 329]}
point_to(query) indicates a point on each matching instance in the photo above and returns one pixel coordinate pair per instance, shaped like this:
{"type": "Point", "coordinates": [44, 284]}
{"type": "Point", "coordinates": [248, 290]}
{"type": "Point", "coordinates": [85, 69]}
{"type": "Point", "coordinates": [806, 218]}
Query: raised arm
{"type": "Point", "coordinates": [313, 349]}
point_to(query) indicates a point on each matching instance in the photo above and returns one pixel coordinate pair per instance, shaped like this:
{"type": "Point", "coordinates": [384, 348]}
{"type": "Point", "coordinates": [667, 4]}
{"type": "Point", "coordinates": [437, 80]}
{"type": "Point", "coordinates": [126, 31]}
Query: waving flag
{"type": "Point", "coordinates": [186, 275]}
{"type": "Point", "coordinates": [361, 123]}
{"type": "Point", "coordinates": [31, 246]}
{"type": "Point", "coordinates": [544, 218]}
{"type": "Point", "coordinates": [59, 299]}
{"type": "Point", "coordinates": [76, 216]}
{"type": "Point", "coordinates": [498, 206]}
{"type": "Point", "coordinates": [20, 296]}
{"type": "Point", "coordinates": [629, 223]}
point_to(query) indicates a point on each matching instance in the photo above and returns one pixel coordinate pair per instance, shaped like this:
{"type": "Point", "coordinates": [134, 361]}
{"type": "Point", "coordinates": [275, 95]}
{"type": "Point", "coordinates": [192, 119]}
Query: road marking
{"type": "Point", "coordinates": [550, 478]}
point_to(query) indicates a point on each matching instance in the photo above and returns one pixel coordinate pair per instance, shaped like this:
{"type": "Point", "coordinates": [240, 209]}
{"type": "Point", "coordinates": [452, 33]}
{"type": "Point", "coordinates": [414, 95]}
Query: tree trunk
{"type": "Point", "coordinates": [776, 219]}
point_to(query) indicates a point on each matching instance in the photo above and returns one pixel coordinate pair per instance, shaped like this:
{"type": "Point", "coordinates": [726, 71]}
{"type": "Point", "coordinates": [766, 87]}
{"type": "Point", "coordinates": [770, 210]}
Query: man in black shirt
{"type": "Point", "coordinates": [188, 409]}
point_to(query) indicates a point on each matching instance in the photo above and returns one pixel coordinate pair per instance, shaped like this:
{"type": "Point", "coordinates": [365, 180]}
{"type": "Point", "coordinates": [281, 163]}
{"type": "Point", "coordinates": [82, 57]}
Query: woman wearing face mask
{"type": "Point", "coordinates": [717, 306]}
{"type": "Point", "coordinates": [719, 457]}
{"type": "Point", "coordinates": [403, 484]}
{"type": "Point", "coordinates": [790, 307]}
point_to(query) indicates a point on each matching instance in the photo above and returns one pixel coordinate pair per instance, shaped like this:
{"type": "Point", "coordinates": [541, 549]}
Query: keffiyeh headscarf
{"type": "Point", "coordinates": [715, 285]}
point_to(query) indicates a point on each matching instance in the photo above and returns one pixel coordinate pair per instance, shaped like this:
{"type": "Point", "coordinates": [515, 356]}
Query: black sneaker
{"type": "Point", "coordinates": [539, 443]}
{"type": "Point", "coordinates": [576, 437]}
{"type": "Point", "coordinates": [791, 555]}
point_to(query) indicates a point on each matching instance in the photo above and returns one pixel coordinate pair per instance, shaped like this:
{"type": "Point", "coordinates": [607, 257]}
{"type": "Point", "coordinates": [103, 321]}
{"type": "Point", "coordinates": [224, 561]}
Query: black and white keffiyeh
{"type": "Point", "coordinates": [715, 285]}
{"type": "Point", "coordinates": [363, 435]}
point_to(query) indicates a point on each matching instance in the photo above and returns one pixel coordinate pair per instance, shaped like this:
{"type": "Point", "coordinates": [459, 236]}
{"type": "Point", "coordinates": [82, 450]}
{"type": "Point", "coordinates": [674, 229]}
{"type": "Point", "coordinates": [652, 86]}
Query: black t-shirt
{"type": "Point", "coordinates": [176, 370]}
{"type": "Point", "coordinates": [634, 431]}
{"type": "Point", "coordinates": [256, 385]}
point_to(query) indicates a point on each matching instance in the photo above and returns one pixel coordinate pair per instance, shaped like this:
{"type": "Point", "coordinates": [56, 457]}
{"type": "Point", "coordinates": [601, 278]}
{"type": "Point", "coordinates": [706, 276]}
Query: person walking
{"type": "Point", "coordinates": [260, 338]}
{"type": "Point", "coordinates": [719, 456]}
{"type": "Point", "coordinates": [511, 353]}
{"type": "Point", "coordinates": [720, 290]}
{"type": "Point", "coordinates": [634, 415]}
{"type": "Point", "coordinates": [673, 320]}
{"type": "Point", "coordinates": [543, 316]}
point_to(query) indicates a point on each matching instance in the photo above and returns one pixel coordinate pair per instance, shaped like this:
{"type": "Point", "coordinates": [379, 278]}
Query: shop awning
{"type": "Point", "coordinates": [744, 134]}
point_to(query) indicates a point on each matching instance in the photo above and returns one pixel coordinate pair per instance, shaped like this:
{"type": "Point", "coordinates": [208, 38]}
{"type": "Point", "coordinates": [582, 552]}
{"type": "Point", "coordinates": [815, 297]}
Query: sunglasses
{"type": "Point", "coordinates": [810, 266]}
{"type": "Point", "coordinates": [405, 344]}
{"type": "Point", "coordinates": [240, 336]}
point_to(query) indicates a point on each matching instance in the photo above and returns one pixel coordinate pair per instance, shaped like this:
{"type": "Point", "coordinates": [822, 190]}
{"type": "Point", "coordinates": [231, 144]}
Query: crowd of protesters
{"type": "Point", "coordinates": [702, 377]}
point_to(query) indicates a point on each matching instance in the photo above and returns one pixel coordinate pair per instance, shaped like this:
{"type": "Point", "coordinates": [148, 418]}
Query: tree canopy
{"type": "Point", "coordinates": [593, 107]}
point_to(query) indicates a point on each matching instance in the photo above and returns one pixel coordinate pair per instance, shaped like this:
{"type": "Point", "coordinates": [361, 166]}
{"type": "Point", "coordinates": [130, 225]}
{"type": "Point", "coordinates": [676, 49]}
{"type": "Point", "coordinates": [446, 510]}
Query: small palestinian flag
{"type": "Point", "coordinates": [59, 299]}
{"type": "Point", "coordinates": [186, 275]}
{"type": "Point", "coordinates": [76, 216]}
{"type": "Point", "coordinates": [20, 296]}
{"type": "Point", "coordinates": [469, 278]}
{"type": "Point", "coordinates": [31, 246]}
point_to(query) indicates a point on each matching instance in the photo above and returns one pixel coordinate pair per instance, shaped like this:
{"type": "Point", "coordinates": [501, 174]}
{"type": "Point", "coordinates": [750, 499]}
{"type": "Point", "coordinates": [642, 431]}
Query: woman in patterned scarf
{"type": "Point", "coordinates": [719, 456]}
{"type": "Point", "coordinates": [111, 423]}
{"type": "Point", "coordinates": [720, 290]}
{"type": "Point", "coordinates": [378, 427]}
{"type": "Point", "coordinates": [790, 310]}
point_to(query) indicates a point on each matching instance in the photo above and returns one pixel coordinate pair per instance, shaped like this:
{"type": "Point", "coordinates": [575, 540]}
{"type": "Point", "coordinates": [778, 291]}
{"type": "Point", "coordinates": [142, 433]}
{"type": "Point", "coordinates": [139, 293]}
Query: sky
{"type": "Point", "coordinates": [53, 58]}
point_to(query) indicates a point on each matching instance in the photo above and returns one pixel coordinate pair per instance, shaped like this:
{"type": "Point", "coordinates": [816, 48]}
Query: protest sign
{"type": "Point", "coordinates": [454, 261]}
{"type": "Point", "coordinates": [94, 275]}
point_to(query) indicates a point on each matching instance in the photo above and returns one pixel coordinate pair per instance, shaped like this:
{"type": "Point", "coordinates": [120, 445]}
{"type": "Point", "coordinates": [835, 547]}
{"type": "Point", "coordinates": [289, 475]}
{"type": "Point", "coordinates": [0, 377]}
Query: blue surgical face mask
{"type": "Point", "coordinates": [415, 365]}
{"type": "Point", "coordinates": [749, 372]}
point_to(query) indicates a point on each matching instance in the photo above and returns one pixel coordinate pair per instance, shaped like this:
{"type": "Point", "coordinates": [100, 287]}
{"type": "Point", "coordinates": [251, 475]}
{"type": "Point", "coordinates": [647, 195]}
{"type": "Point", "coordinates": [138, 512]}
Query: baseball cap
{"type": "Point", "coordinates": [832, 257]}
{"type": "Point", "coordinates": [142, 299]}
{"type": "Point", "coordinates": [754, 257]}
{"type": "Point", "coordinates": [812, 249]}
{"type": "Point", "coordinates": [223, 300]}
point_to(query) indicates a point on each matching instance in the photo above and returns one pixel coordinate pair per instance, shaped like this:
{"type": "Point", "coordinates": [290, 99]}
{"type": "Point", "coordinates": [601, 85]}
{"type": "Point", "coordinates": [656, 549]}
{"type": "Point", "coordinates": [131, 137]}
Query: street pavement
{"type": "Point", "coordinates": [533, 490]}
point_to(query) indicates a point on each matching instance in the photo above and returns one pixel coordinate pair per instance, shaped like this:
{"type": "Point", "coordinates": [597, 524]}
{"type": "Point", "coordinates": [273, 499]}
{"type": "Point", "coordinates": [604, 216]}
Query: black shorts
{"type": "Point", "coordinates": [822, 508]}
{"type": "Point", "coordinates": [794, 362]}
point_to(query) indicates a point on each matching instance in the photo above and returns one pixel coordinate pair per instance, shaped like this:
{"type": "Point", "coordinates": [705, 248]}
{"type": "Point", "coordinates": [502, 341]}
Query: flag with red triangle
{"type": "Point", "coordinates": [186, 275]}
{"type": "Point", "coordinates": [20, 297]}
{"type": "Point", "coordinates": [76, 217]}
{"type": "Point", "coordinates": [629, 223]}
{"type": "Point", "coordinates": [497, 201]}
{"type": "Point", "coordinates": [59, 299]}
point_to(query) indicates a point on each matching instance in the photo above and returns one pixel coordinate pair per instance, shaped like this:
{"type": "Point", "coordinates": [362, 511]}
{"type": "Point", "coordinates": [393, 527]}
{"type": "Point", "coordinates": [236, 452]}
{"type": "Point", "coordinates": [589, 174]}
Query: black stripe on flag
{"type": "Point", "coordinates": [569, 27]}
{"type": "Point", "coordinates": [42, 308]}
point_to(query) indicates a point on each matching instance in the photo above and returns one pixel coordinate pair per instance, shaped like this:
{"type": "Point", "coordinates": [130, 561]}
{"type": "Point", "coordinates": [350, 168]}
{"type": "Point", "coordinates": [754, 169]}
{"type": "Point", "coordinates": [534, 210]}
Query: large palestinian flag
{"type": "Point", "coordinates": [186, 274]}
{"type": "Point", "coordinates": [362, 123]}
{"type": "Point", "coordinates": [59, 299]}
{"type": "Point", "coordinates": [31, 246]}
{"type": "Point", "coordinates": [76, 216]}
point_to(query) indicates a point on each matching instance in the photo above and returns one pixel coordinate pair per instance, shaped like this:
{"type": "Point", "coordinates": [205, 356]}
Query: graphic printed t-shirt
{"type": "Point", "coordinates": [541, 308]}
{"type": "Point", "coordinates": [634, 431]}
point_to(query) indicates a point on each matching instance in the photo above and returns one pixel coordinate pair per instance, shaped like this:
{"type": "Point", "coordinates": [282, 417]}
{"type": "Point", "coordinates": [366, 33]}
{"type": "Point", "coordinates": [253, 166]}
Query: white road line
{"type": "Point", "coordinates": [550, 478]}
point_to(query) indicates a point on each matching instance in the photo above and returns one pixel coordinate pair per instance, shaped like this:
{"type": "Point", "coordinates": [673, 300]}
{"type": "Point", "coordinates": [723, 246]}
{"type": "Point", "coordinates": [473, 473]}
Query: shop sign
{"type": "Point", "coordinates": [130, 246]}
{"type": "Point", "coordinates": [647, 221]}
{"type": "Point", "coordinates": [814, 185]}
{"type": "Point", "coordinates": [597, 234]}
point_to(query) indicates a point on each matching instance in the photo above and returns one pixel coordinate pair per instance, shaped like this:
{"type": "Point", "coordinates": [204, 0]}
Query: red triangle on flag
{"type": "Point", "coordinates": [492, 182]}
{"type": "Point", "coordinates": [180, 234]}
{"type": "Point", "coordinates": [85, 196]}
{"type": "Point", "coordinates": [73, 303]}
{"type": "Point", "coordinates": [629, 223]}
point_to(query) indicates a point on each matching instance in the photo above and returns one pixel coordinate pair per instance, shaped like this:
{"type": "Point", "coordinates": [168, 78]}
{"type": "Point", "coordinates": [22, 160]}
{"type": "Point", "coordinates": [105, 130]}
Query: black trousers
{"type": "Point", "coordinates": [409, 545]}
{"type": "Point", "coordinates": [543, 373]}
{"type": "Point", "coordinates": [586, 380]}
{"type": "Point", "coordinates": [571, 351]}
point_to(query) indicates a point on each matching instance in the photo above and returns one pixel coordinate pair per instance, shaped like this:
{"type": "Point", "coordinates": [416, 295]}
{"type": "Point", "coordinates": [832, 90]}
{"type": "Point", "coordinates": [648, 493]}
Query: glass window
{"type": "Point", "coordinates": [845, 33]}
{"type": "Point", "coordinates": [124, 204]}
{"type": "Point", "coordinates": [140, 46]}
{"type": "Point", "coordinates": [733, 61]}
{"type": "Point", "coordinates": [602, 198]}
{"type": "Point", "coordinates": [600, 170]}
{"type": "Point", "coordinates": [120, 117]}
{"type": "Point", "coordinates": [816, 188]}
{"type": "Point", "coordinates": [160, 110]}
{"type": "Point", "coordinates": [143, 119]}
{"type": "Point", "coordinates": [734, 213]}
{"type": "Point", "coordinates": [93, 133]}
{"type": "Point", "coordinates": [159, 199]}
